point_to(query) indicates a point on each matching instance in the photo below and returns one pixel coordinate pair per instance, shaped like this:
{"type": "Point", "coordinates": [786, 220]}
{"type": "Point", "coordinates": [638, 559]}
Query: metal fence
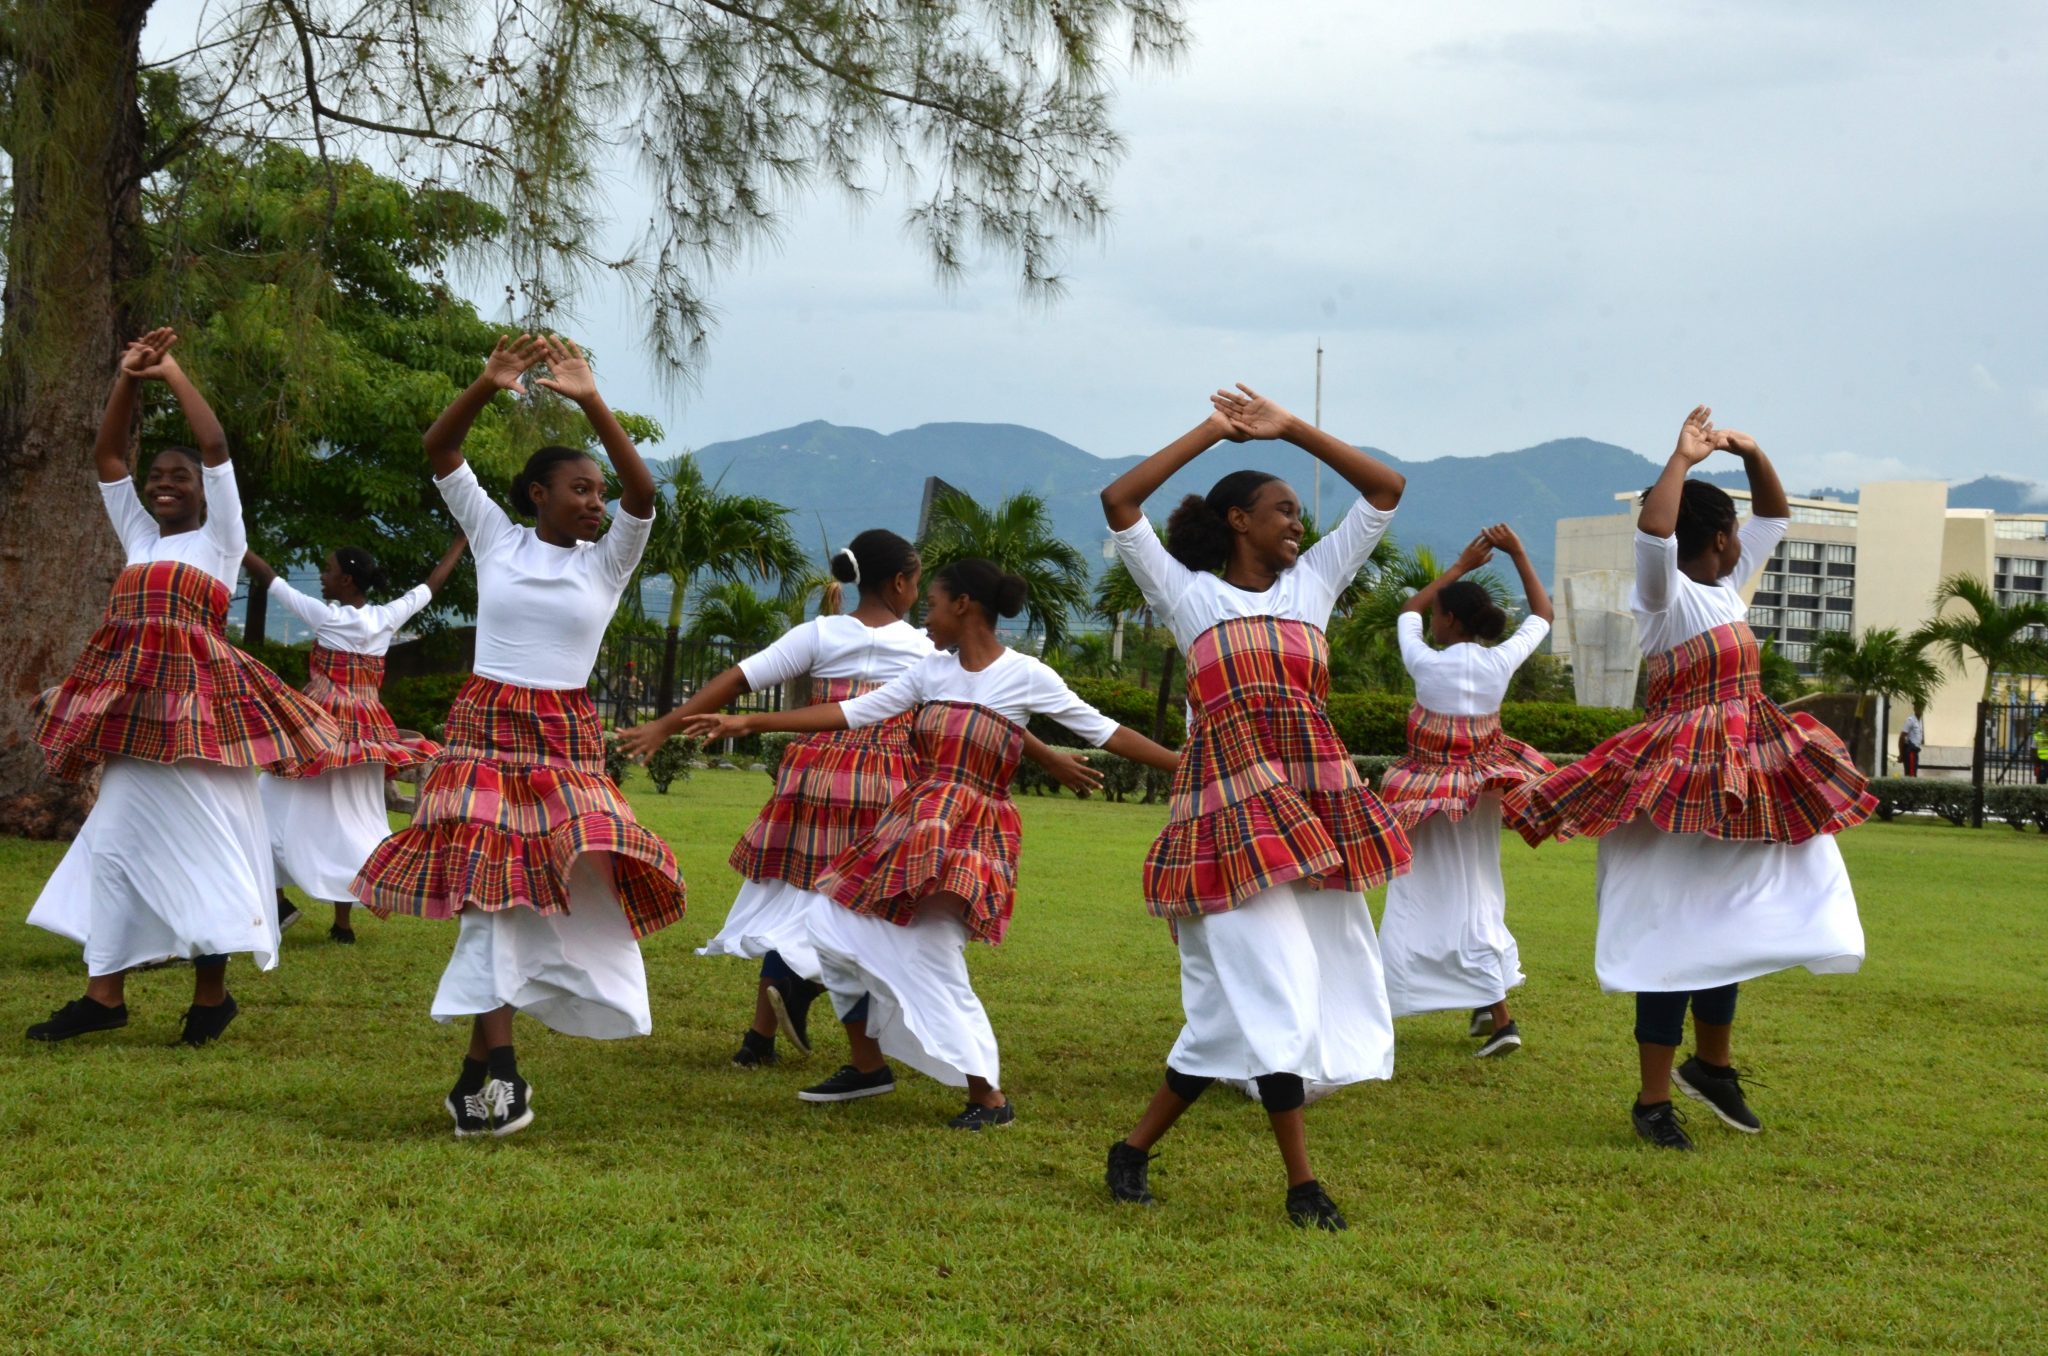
{"type": "Point", "coordinates": [2004, 755]}
{"type": "Point", "coordinates": [627, 682]}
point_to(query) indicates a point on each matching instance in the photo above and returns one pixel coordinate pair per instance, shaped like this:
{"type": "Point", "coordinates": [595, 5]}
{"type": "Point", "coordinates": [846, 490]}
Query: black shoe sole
{"type": "Point", "coordinates": [55, 1038]}
{"type": "Point", "coordinates": [185, 1036]}
{"type": "Point", "coordinates": [808, 1095]}
{"type": "Point", "coordinates": [1498, 1045]}
{"type": "Point", "coordinates": [1678, 1080]}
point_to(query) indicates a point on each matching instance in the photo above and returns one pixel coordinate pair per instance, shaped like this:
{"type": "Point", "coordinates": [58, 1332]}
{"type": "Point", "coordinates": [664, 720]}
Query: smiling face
{"type": "Point", "coordinates": [174, 491]}
{"type": "Point", "coordinates": [945, 615]}
{"type": "Point", "coordinates": [569, 504]}
{"type": "Point", "coordinates": [1270, 530]}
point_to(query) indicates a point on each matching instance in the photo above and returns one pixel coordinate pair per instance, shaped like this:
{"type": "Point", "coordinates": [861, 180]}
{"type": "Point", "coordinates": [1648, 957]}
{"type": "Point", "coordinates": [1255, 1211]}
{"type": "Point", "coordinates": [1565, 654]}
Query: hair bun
{"type": "Point", "coordinates": [1011, 591]}
{"type": "Point", "coordinates": [845, 566]}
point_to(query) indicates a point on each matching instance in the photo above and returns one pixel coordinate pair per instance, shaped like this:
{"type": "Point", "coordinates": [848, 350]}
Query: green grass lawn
{"type": "Point", "coordinates": [296, 1188]}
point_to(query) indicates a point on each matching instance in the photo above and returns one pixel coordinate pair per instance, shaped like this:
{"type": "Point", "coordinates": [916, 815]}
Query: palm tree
{"type": "Point", "coordinates": [1018, 536]}
{"type": "Point", "coordinates": [700, 530]}
{"type": "Point", "coordinates": [2003, 639]}
{"type": "Point", "coordinates": [1363, 643]}
{"type": "Point", "coordinates": [1879, 663]}
{"type": "Point", "coordinates": [1779, 677]}
{"type": "Point", "coordinates": [730, 610]}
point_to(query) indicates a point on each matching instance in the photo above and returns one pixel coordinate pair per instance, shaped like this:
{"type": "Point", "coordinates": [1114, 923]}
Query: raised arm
{"type": "Point", "coordinates": [569, 375]}
{"type": "Point", "coordinates": [1766, 492]}
{"type": "Point", "coordinates": [210, 437]}
{"type": "Point", "coordinates": [1659, 517]}
{"type": "Point", "coordinates": [1124, 498]}
{"type": "Point", "coordinates": [1503, 538]}
{"type": "Point", "coordinates": [110, 448]}
{"type": "Point", "coordinates": [1254, 416]}
{"type": "Point", "coordinates": [444, 568]}
{"type": "Point", "coordinates": [260, 573]}
{"type": "Point", "coordinates": [1476, 553]}
{"type": "Point", "coordinates": [502, 372]}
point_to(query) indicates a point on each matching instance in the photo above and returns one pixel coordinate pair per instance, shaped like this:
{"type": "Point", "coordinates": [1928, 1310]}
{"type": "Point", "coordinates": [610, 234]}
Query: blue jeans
{"type": "Point", "coordinates": [1660, 1017]}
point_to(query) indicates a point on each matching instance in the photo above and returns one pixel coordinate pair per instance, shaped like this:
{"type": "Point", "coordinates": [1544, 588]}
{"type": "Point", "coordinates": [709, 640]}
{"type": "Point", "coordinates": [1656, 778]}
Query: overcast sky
{"type": "Point", "coordinates": [1507, 222]}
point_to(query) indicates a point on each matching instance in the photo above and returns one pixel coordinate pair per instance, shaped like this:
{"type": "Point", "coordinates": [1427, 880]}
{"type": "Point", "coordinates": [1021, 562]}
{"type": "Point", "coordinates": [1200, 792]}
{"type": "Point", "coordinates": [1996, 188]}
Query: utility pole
{"type": "Point", "coordinates": [1318, 509]}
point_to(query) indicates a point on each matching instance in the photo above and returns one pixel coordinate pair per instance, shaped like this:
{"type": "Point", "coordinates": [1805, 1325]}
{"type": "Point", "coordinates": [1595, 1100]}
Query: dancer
{"type": "Point", "coordinates": [1444, 934]}
{"type": "Point", "coordinates": [1271, 838]}
{"type": "Point", "coordinates": [895, 911]}
{"type": "Point", "coordinates": [518, 831]}
{"type": "Point", "coordinates": [172, 862]}
{"type": "Point", "coordinates": [829, 788]}
{"type": "Point", "coordinates": [325, 825]}
{"type": "Point", "coordinates": [1716, 816]}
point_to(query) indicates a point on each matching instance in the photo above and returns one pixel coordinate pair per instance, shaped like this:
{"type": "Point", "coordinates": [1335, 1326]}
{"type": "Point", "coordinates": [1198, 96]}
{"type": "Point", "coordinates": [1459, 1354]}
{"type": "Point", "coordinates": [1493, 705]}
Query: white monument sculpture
{"type": "Point", "coordinates": [1601, 635]}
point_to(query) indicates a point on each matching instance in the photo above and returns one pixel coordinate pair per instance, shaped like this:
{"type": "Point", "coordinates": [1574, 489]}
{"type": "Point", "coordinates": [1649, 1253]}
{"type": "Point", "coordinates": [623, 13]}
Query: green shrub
{"type": "Point", "coordinates": [421, 703]}
{"type": "Point", "coordinates": [1906, 795]}
{"type": "Point", "coordinates": [1561, 727]}
{"type": "Point", "coordinates": [1371, 722]}
{"type": "Point", "coordinates": [2018, 806]}
{"type": "Point", "coordinates": [617, 762]}
{"type": "Point", "coordinates": [1123, 702]}
{"type": "Point", "coordinates": [773, 746]}
{"type": "Point", "coordinates": [286, 661]}
{"type": "Point", "coordinates": [671, 762]}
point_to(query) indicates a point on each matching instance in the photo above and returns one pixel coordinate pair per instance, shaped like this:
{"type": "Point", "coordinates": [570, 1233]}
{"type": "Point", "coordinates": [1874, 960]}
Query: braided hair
{"type": "Point", "coordinates": [362, 567]}
{"type": "Point", "coordinates": [1703, 510]}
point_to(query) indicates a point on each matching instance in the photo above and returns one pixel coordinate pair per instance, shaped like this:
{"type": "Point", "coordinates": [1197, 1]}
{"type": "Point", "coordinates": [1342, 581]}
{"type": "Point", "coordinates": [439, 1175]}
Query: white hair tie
{"type": "Point", "coordinates": [852, 560]}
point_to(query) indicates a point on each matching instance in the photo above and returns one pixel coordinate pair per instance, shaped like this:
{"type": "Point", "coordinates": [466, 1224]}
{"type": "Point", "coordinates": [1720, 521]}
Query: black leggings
{"type": "Point", "coordinates": [1277, 1092]}
{"type": "Point", "coordinates": [1660, 1017]}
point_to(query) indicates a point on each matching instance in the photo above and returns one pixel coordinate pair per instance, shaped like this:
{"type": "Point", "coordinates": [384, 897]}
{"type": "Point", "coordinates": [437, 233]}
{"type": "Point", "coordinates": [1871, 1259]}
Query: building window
{"type": "Point", "coordinates": [1801, 620]}
{"type": "Point", "coordinates": [2022, 565]}
{"type": "Point", "coordinates": [1765, 618]}
{"type": "Point", "coordinates": [1834, 621]}
{"type": "Point", "coordinates": [2021, 529]}
{"type": "Point", "coordinates": [1838, 553]}
{"type": "Point", "coordinates": [1802, 550]}
{"type": "Point", "coordinates": [1841, 604]}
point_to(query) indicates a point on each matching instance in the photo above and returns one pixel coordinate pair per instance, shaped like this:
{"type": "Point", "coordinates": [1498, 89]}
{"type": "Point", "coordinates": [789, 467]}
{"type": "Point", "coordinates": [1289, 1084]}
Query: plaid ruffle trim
{"type": "Point", "coordinates": [1716, 757]}
{"type": "Point", "coordinates": [346, 687]}
{"type": "Point", "coordinates": [1341, 840]}
{"type": "Point", "coordinates": [517, 797]}
{"type": "Point", "coordinates": [158, 681]}
{"type": "Point", "coordinates": [1451, 762]}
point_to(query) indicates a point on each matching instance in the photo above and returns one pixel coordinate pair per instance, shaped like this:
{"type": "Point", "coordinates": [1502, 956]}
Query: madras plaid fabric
{"type": "Point", "coordinates": [829, 792]}
{"type": "Point", "coordinates": [1451, 762]}
{"type": "Point", "coordinates": [952, 831]}
{"type": "Point", "coordinates": [1266, 792]}
{"type": "Point", "coordinates": [519, 794]}
{"type": "Point", "coordinates": [1715, 757]}
{"type": "Point", "coordinates": [159, 681]}
{"type": "Point", "coordinates": [345, 685]}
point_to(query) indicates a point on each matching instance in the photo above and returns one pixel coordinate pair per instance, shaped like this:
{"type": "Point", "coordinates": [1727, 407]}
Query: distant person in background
{"type": "Point", "coordinates": [2041, 750]}
{"type": "Point", "coordinates": [1444, 936]}
{"type": "Point", "coordinates": [325, 825]}
{"type": "Point", "coordinates": [1717, 815]}
{"type": "Point", "coordinates": [1912, 738]}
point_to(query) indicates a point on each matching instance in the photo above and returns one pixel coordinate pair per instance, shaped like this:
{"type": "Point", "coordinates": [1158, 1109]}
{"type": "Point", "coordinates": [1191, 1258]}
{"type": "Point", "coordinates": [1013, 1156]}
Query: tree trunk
{"type": "Point", "coordinates": [665, 699]}
{"type": "Point", "coordinates": [256, 615]}
{"type": "Point", "coordinates": [75, 137]}
{"type": "Point", "coordinates": [1165, 691]}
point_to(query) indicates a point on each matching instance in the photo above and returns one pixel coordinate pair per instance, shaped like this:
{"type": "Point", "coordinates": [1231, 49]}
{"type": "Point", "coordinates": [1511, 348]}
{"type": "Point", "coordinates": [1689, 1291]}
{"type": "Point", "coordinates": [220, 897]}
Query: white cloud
{"type": "Point", "coordinates": [1985, 382]}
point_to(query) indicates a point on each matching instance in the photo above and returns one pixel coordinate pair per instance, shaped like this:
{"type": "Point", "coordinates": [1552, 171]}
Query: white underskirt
{"type": "Point", "coordinates": [1444, 935]}
{"type": "Point", "coordinates": [172, 863]}
{"type": "Point", "coordinates": [921, 1008]}
{"type": "Point", "coordinates": [322, 829]}
{"type": "Point", "coordinates": [577, 972]}
{"type": "Point", "coordinates": [1681, 911]}
{"type": "Point", "coordinates": [769, 915]}
{"type": "Point", "coordinates": [1287, 982]}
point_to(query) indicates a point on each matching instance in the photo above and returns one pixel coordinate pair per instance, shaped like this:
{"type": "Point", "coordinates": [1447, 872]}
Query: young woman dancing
{"type": "Point", "coordinates": [172, 862]}
{"type": "Point", "coordinates": [892, 916]}
{"type": "Point", "coordinates": [1444, 935]}
{"type": "Point", "coordinates": [325, 825]}
{"type": "Point", "coordinates": [1717, 815]}
{"type": "Point", "coordinates": [518, 831]}
{"type": "Point", "coordinates": [830, 788]}
{"type": "Point", "coordinates": [1271, 838]}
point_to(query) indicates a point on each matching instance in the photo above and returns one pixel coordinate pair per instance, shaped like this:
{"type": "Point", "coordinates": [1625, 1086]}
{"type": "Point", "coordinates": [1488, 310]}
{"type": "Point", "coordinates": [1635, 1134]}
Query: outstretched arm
{"type": "Point", "coordinates": [1766, 492]}
{"type": "Point", "coordinates": [808, 720]}
{"type": "Point", "coordinates": [502, 372]}
{"type": "Point", "coordinates": [1254, 416]}
{"type": "Point", "coordinates": [569, 375]}
{"type": "Point", "coordinates": [642, 740]}
{"type": "Point", "coordinates": [1124, 498]}
{"type": "Point", "coordinates": [1659, 517]}
{"type": "Point", "coordinates": [110, 448]}
{"type": "Point", "coordinates": [437, 578]}
{"type": "Point", "coordinates": [1502, 537]}
{"type": "Point", "coordinates": [1476, 553]}
{"type": "Point", "coordinates": [260, 574]}
{"type": "Point", "coordinates": [1070, 770]}
{"type": "Point", "coordinates": [199, 416]}
{"type": "Point", "coordinates": [1128, 743]}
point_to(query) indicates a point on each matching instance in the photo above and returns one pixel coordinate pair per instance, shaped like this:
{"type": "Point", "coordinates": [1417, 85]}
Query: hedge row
{"type": "Point", "coordinates": [1375, 724]}
{"type": "Point", "coordinates": [2018, 806]}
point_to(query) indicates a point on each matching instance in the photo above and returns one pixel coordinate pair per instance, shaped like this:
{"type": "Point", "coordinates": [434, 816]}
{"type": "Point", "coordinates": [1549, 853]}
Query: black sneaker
{"type": "Point", "coordinates": [1309, 1204]}
{"type": "Point", "coordinates": [509, 1104]}
{"type": "Point", "coordinates": [471, 1112]}
{"type": "Point", "coordinates": [76, 1018]}
{"type": "Point", "coordinates": [850, 1083]}
{"type": "Point", "coordinates": [979, 1117]}
{"type": "Point", "coordinates": [791, 999]}
{"type": "Point", "coordinates": [1482, 1023]}
{"type": "Point", "coordinates": [204, 1025]}
{"type": "Point", "coordinates": [1129, 1169]}
{"type": "Point", "coordinates": [756, 1051]}
{"type": "Point", "coordinates": [338, 933]}
{"type": "Point", "coordinates": [287, 913]}
{"type": "Point", "coordinates": [1722, 1092]}
{"type": "Point", "coordinates": [1504, 1041]}
{"type": "Point", "coordinates": [1660, 1124]}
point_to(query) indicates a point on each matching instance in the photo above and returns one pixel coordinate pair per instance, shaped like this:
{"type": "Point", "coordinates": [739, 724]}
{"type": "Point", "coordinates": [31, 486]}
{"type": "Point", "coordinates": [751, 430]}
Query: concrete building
{"type": "Point", "coordinates": [1842, 567]}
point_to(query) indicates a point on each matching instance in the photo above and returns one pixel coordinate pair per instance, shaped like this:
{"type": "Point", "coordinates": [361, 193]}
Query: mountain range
{"type": "Point", "coordinates": [839, 481]}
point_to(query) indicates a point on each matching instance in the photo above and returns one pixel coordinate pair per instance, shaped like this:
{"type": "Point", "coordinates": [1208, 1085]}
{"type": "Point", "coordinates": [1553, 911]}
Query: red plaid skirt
{"type": "Point", "coordinates": [1715, 757]}
{"type": "Point", "coordinates": [159, 681]}
{"type": "Point", "coordinates": [519, 794]}
{"type": "Point", "coordinates": [1265, 793]}
{"type": "Point", "coordinates": [953, 831]}
{"type": "Point", "coordinates": [1451, 762]}
{"type": "Point", "coordinates": [345, 685]}
{"type": "Point", "coordinates": [829, 792]}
